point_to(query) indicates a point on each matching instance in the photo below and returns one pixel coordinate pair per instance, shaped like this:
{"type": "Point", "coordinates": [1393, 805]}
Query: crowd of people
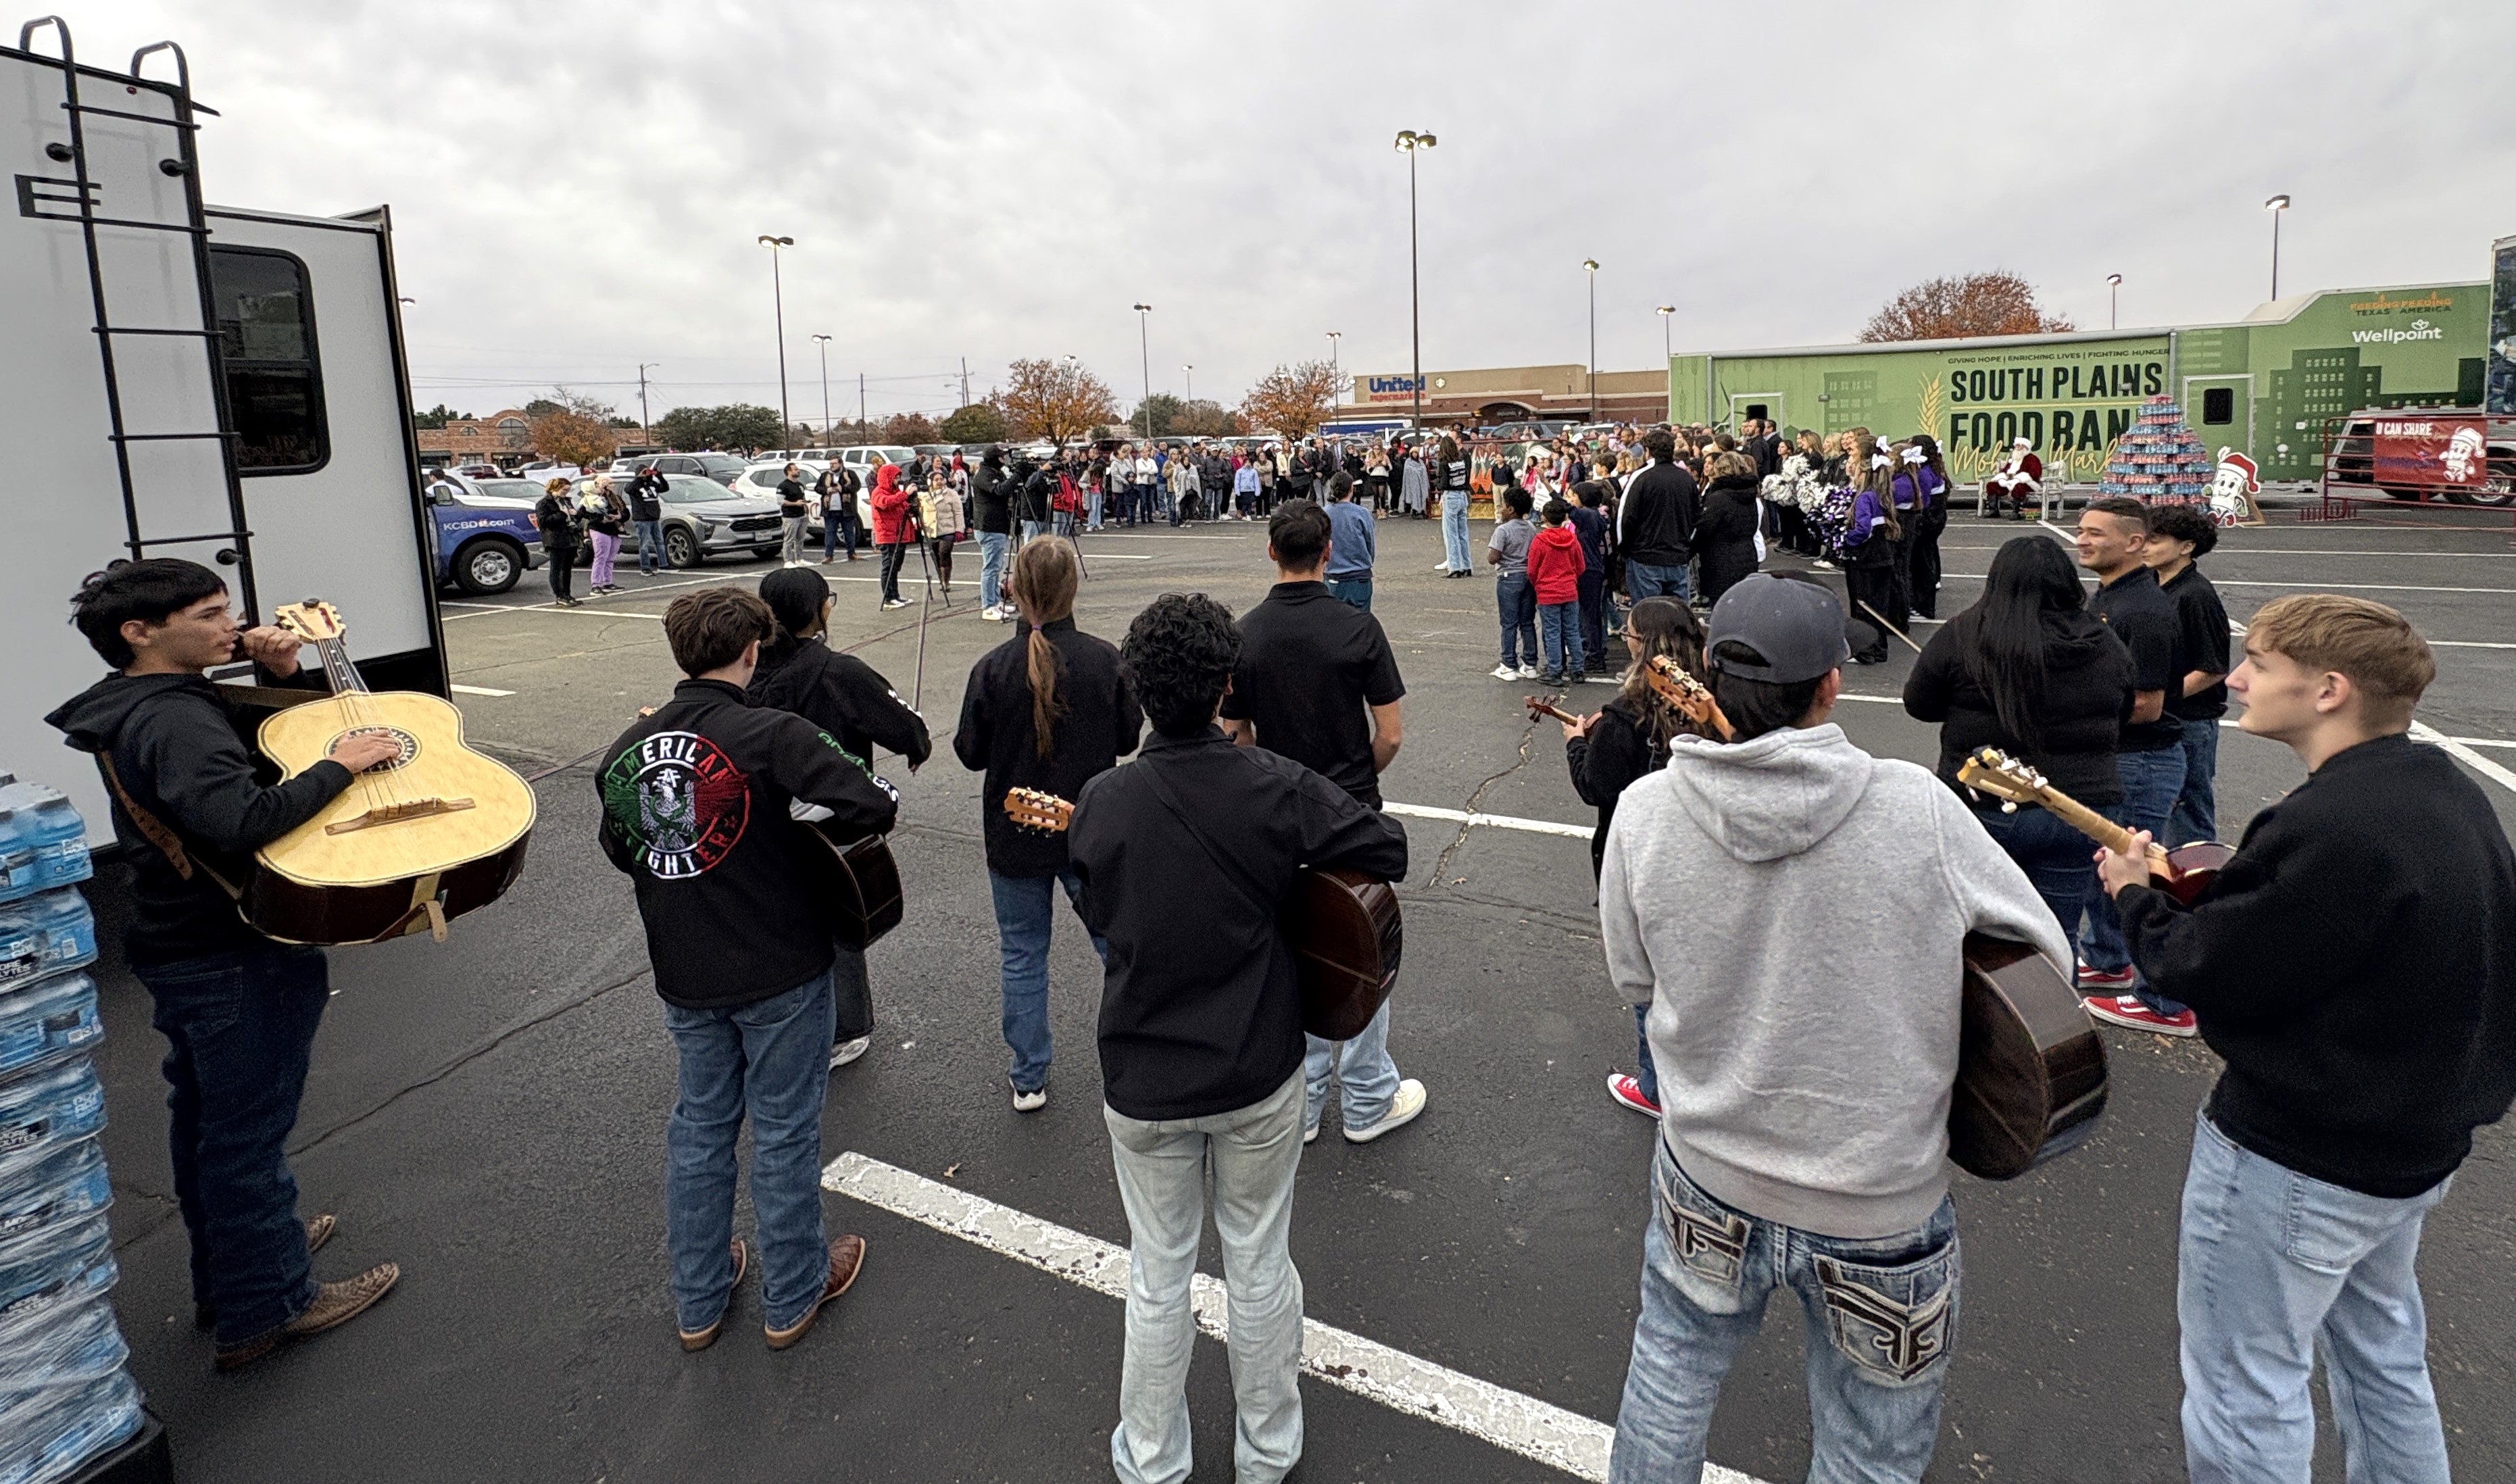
{"type": "Point", "coordinates": [2353, 964]}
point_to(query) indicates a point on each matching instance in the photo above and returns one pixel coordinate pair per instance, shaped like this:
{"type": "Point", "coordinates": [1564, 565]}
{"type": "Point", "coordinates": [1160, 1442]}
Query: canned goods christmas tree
{"type": "Point", "coordinates": [2159, 459]}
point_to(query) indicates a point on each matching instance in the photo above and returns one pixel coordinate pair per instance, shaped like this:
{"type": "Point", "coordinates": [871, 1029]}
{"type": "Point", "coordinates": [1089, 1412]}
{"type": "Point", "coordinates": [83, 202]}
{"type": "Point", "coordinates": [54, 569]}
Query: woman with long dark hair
{"type": "Point", "coordinates": [2028, 670]}
{"type": "Point", "coordinates": [1930, 474]}
{"type": "Point", "coordinates": [846, 698]}
{"type": "Point", "coordinates": [1622, 740]}
{"type": "Point", "coordinates": [1046, 709]}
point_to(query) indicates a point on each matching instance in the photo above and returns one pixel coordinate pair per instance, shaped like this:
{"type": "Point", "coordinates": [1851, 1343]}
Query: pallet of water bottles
{"type": "Point", "coordinates": [66, 1396]}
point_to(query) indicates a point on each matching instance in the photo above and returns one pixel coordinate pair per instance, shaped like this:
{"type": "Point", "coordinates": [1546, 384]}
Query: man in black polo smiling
{"type": "Point", "coordinates": [1316, 682]}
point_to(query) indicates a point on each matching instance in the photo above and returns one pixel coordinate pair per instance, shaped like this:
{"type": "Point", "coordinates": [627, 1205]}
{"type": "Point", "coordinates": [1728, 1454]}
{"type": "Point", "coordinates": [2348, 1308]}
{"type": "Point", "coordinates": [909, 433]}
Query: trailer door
{"type": "Point", "coordinates": [311, 335]}
{"type": "Point", "coordinates": [2221, 410]}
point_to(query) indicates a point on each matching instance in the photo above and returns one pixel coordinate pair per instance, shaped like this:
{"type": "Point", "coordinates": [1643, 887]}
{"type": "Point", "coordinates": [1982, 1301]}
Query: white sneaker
{"type": "Point", "coordinates": [1529, 672]}
{"type": "Point", "coordinates": [1442, 567]}
{"type": "Point", "coordinates": [894, 603]}
{"type": "Point", "coordinates": [1031, 1101]}
{"type": "Point", "coordinates": [1505, 672]}
{"type": "Point", "coordinates": [1822, 564]}
{"type": "Point", "coordinates": [847, 1052]}
{"type": "Point", "coordinates": [1403, 1110]}
{"type": "Point", "coordinates": [1310, 1133]}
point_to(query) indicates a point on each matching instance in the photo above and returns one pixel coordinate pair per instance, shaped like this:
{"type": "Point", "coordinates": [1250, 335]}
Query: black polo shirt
{"type": "Point", "coordinates": [1311, 667]}
{"type": "Point", "coordinates": [2144, 618]}
{"type": "Point", "coordinates": [2204, 619]}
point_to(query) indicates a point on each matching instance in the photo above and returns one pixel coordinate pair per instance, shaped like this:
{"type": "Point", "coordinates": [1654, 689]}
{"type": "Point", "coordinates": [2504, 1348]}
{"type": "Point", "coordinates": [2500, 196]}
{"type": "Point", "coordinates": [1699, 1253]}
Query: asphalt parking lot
{"type": "Point", "coordinates": [489, 1113]}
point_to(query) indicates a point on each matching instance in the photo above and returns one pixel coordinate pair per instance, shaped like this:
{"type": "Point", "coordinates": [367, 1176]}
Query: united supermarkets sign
{"type": "Point", "coordinates": [1392, 388]}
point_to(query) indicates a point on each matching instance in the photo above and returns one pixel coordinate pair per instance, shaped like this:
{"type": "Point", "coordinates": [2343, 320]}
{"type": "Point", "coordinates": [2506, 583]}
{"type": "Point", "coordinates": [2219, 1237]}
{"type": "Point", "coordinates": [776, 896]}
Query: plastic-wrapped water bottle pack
{"type": "Point", "coordinates": [66, 1391]}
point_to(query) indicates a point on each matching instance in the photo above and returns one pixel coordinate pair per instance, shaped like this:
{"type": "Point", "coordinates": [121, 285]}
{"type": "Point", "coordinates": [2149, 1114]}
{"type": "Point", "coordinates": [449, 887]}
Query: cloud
{"type": "Point", "coordinates": [576, 187]}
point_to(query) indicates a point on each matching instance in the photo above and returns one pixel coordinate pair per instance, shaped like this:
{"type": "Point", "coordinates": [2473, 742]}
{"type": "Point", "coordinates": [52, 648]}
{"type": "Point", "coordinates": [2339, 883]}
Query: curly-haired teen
{"type": "Point", "coordinates": [1046, 709]}
{"type": "Point", "coordinates": [1202, 1028]}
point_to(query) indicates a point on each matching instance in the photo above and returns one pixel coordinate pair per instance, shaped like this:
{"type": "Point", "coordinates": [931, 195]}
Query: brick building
{"type": "Point", "coordinates": [504, 439]}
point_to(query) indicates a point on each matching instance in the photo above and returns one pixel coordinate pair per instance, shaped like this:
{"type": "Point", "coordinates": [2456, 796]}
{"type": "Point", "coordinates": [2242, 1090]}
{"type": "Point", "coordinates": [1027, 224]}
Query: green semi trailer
{"type": "Point", "coordinates": [2274, 384]}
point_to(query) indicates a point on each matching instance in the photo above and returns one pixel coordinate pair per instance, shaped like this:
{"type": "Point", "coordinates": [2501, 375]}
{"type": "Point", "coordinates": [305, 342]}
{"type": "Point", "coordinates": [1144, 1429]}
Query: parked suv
{"type": "Point", "coordinates": [484, 543]}
{"type": "Point", "coordinates": [724, 468]}
{"type": "Point", "coordinates": [703, 519]}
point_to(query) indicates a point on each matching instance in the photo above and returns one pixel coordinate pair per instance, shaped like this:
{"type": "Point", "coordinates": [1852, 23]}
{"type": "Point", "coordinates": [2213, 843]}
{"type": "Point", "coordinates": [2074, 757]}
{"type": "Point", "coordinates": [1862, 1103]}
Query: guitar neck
{"type": "Point", "coordinates": [2097, 827]}
{"type": "Point", "coordinates": [343, 676]}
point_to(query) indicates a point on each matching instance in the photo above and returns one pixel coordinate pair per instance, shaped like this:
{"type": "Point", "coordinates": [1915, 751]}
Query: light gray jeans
{"type": "Point", "coordinates": [1254, 1153]}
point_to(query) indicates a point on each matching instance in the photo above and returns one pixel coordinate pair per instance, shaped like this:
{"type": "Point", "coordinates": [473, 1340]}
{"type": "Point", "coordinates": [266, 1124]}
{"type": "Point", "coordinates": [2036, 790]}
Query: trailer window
{"type": "Point", "coordinates": [2218, 405]}
{"type": "Point", "coordinates": [265, 321]}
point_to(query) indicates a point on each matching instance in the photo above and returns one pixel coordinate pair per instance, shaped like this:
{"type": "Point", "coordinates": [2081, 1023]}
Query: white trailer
{"type": "Point", "coordinates": [185, 380]}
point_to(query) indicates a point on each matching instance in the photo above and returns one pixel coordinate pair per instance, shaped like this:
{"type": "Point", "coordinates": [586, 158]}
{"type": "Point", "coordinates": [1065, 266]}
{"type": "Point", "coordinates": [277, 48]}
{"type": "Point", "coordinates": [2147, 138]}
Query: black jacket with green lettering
{"type": "Point", "coordinates": [696, 811]}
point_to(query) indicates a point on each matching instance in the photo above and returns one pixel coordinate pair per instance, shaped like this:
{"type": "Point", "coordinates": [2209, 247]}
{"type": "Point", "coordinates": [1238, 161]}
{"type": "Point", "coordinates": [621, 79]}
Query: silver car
{"type": "Point", "coordinates": [703, 519]}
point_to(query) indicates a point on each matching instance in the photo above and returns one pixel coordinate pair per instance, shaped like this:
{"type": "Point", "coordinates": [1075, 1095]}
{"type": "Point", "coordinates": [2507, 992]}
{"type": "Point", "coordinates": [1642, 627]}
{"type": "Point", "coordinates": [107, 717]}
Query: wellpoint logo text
{"type": "Point", "coordinates": [2421, 329]}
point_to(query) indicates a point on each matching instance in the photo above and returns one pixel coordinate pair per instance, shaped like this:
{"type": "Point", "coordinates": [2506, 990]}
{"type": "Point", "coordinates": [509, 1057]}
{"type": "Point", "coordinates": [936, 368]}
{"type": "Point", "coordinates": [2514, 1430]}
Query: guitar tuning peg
{"type": "Point", "coordinates": [2009, 806]}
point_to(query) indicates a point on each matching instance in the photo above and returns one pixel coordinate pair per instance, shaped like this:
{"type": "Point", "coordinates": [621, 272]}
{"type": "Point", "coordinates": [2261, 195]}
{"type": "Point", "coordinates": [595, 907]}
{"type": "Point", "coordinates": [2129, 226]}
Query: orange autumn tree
{"type": "Point", "coordinates": [1055, 399]}
{"type": "Point", "coordinates": [1292, 401]}
{"type": "Point", "coordinates": [1994, 303]}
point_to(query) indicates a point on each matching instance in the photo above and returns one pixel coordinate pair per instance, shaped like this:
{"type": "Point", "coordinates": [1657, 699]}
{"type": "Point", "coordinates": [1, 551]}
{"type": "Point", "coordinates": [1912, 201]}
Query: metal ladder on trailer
{"type": "Point", "coordinates": [47, 197]}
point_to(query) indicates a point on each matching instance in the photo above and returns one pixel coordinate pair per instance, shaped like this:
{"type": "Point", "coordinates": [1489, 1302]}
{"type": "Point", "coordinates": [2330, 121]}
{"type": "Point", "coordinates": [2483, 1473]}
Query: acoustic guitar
{"type": "Point", "coordinates": [2182, 873]}
{"type": "Point", "coordinates": [2031, 1066]}
{"type": "Point", "coordinates": [411, 844]}
{"type": "Point", "coordinates": [1344, 928]}
{"type": "Point", "coordinates": [853, 877]}
{"type": "Point", "coordinates": [1670, 683]}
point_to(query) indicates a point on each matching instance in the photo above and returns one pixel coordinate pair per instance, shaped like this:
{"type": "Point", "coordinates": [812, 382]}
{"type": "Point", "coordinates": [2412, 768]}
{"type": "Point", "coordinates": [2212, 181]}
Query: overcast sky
{"type": "Point", "coordinates": [577, 188]}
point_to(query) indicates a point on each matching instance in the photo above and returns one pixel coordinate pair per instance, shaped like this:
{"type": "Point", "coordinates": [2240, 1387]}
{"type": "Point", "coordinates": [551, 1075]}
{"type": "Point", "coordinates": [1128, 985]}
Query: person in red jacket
{"type": "Point", "coordinates": [1556, 562]}
{"type": "Point", "coordinates": [891, 529]}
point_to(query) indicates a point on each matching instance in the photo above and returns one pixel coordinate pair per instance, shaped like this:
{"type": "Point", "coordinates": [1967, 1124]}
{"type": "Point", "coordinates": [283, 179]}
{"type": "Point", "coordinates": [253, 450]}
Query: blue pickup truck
{"type": "Point", "coordinates": [485, 539]}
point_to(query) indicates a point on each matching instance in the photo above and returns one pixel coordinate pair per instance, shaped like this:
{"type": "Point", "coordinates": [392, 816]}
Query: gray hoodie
{"type": "Point", "coordinates": [1791, 909]}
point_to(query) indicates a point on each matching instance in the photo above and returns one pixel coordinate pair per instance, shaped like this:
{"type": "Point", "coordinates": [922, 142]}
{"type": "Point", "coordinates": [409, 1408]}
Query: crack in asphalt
{"type": "Point", "coordinates": [467, 1059]}
{"type": "Point", "coordinates": [1475, 798]}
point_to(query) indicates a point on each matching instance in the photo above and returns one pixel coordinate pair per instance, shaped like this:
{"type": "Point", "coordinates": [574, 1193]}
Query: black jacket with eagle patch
{"type": "Point", "coordinates": [695, 810]}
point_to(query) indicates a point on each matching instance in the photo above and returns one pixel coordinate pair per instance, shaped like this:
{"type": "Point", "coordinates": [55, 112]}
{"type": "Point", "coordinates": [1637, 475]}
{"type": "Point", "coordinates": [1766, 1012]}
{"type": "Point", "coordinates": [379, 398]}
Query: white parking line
{"type": "Point", "coordinates": [2421, 732]}
{"type": "Point", "coordinates": [1508, 1419]}
{"type": "Point", "coordinates": [477, 690]}
{"type": "Point", "coordinates": [1497, 821]}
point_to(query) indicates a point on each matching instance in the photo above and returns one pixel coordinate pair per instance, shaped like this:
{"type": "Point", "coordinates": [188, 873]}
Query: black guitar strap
{"type": "Point", "coordinates": [1222, 860]}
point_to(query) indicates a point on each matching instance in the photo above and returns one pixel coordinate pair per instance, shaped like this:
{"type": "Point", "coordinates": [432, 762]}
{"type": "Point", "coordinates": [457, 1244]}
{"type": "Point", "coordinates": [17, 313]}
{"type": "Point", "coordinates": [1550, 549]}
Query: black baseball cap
{"type": "Point", "coordinates": [1797, 625]}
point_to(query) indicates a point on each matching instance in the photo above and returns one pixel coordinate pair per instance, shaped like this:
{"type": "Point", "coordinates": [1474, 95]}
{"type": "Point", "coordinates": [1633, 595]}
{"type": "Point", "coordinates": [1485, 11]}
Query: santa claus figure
{"type": "Point", "coordinates": [2233, 487]}
{"type": "Point", "coordinates": [2020, 477]}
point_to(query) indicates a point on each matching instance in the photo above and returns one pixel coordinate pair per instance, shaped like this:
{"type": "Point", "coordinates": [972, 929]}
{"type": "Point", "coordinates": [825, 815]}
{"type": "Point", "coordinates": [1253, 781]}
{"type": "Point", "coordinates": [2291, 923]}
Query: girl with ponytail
{"type": "Point", "coordinates": [1871, 543]}
{"type": "Point", "coordinates": [846, 698]}
{"type": "Point", "coordinates": [1047, 709]}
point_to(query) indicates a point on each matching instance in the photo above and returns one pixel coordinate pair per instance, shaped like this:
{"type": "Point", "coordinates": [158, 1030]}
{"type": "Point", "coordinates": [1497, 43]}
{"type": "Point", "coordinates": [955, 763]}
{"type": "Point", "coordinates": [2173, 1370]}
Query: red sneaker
{"type": "Point", "coordinates": [2129, 1013]}
{"type": "Point", "coordinates": [2106, 979]}
{"type": "Point", "coordinates": [1627, 1090]}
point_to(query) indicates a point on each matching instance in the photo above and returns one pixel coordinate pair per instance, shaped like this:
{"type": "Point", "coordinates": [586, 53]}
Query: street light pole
{"type": "Point", "coordinates": [1189, 373]}
{"type": "Point", "coordinates": [2114, 301]}
{"type": "Point", "coordinates": [644, 434]}
{"type": "Point", "coordinates": [1591, 267]}
{"type": "Point", "coordinates": [862, 435]}
{"type": "Point", "coordinates": [2276, 205]}
{"type": "Point", "coordinates": [1145, 346]}
{"type": "Point", "coordinates": [1409, 142]}
{"type": "Point", "coordinates": [823, 344]}
{"type": "Point", "coordinates": [1336, 373]}
{"type": "Point", "coordinates": [777, 287]}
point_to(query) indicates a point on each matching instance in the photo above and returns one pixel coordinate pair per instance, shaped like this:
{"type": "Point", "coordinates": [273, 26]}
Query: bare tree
{"type": "Point", "coordinates": [1294, 400]}
{"type": "Point", "coordinates": [1994, 303]}
{"type": "Point", "coordinates": [1054, 398]}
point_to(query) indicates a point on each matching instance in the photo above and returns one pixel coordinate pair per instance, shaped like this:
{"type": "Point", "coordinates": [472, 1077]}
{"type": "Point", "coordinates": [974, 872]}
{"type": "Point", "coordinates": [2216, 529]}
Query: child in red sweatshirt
{"type": "Point", "coordinates": [1556, 562]}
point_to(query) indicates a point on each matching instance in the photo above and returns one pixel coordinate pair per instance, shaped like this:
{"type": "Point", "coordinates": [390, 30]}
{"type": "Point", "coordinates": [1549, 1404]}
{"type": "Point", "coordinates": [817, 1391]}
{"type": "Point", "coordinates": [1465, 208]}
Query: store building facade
{"type": "Point", "coordinates": [1511, 394]}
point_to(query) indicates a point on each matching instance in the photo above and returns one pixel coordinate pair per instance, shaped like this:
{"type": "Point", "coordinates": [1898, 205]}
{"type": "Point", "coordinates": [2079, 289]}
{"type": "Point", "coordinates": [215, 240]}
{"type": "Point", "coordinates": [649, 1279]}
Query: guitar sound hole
{"type": "Point", "coordinates": [408, 745]}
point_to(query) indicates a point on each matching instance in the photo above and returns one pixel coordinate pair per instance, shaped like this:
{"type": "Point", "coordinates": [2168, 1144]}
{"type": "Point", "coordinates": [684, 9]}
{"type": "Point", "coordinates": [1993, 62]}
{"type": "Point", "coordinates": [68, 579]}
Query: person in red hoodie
{"type": "Point", "coordinates": [891, 526]}
{"type": "Point", "coordinates": [1556, 562]}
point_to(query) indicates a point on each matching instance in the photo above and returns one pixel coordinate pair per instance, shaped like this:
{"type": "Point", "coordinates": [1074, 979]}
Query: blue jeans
{"type": "Point", "coordinates": [1033, 531]}
{"type": "Point", "coordinates": [2151, 779]}
{"type": "Point", "coordinates": [1594, 616]}
{"type": "Point", "coordinates": [1517, 602]}
{"type": "Point", "coordinates": [1645, 1071]}
{"type": "Point", "coordinates": [1255, 1152]}
{"type": "Point", "coordinates": [1025, 913]}
{"type": "Point", "coordinates": [769, 1059]}
{"type": "Point", "coordinates": [1454, 530]}
{"type": "Point", "coordinates": [1144, 504]}
{"type": "Point", "coordinates": [2058, 860]}
{"type": "Point", "coordinates": [1365, 1075]}
{"type": "Point", "coordinates": [992, 569]}
{"type": "Point", "coordinates": [1881, 1316]}
{"type": "Point", "coordinates": [1644, 580]}
{"type": "Point", "coordinates": [2273, 1269]}
{"type": "Point", "coordinates": [2195, 815]}
{"type": "Point", "coordinates": [651, 546]}
{"type": "Point", "coordinates": [1353, 591]}
{"type": "Point", "coordinates": [238, 1029]}
{"type": "Point", "coordinates": [1559, 628]}
{"type": "Point", "coordinates": [1092, 510]}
